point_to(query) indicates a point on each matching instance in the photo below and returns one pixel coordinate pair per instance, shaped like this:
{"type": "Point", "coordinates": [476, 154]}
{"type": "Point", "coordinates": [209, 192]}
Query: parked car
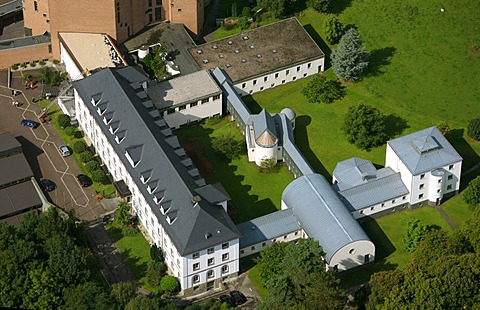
{"type": "Point", "coordinates": [84, 180]}
{"type": "Point", "coordinates": [228, 300]}
{"type": "Point", "coordinates": [47, 185]}
{"type": "Point", "coordinates": [238, 297]}
{"type": "Point", "coordinates": [29, 123]}
{"type": "Point", "coordinates": [64, 151]}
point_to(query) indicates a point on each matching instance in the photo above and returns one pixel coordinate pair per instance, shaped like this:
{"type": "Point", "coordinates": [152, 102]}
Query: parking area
{"type": "Point", "coordinates": [40, 146]}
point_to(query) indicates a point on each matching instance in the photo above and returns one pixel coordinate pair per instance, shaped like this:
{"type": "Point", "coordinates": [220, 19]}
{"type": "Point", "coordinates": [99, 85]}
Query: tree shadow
{"type": "Point", "coordinates": [394, 125]}
{"type": "Point", "coordinates": [470, 157]}
{"type": "Point", "coordinates": [303, 144]}
{"type": "Point", "coordinates": [379, 58]}
{"type": "Point", "coordinates": [320, 42]}
{"type": "Point", "coordinates": [338, 6]}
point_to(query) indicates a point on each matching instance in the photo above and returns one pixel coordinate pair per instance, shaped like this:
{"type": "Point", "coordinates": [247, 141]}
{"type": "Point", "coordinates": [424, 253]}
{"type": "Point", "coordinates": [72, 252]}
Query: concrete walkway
{"type": "Point", "coordinates": [447, 217]}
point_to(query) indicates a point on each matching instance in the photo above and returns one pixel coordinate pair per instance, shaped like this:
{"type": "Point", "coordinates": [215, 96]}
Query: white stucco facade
{"type": "Point", "coordinates": [352, 255]}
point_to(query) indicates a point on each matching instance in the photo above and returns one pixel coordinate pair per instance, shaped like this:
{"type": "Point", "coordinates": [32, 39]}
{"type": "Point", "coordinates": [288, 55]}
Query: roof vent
{"type": "Point", "coordinates": [205, 61]}
{"type": "Point", "coordinates": [196, 199]}
{"type": "Point", "coordinates": [230, 42]}
{"type": "Point", "coordinates": [199, 52]}
{"type": "Point", "coordinates": [228, 65]}
{"type": "Point", "coordinates": [244, 60]}
{"type": "Point", "coordinates": [259, 55]}
{"type": "Point", "coordinates": [215, 47]}
{"type": "Point", "coordinates": [274, 51]}
{"type": "Point", "coordinates": [237, 51]}
{"type": "Point", "coordinates": [218, 231]}
{"type": "Point", "coordinates": [245, 38]}
{"type": "Point", "coordinates": [221, 55]}
{"type": "Point", "coordinates": [252, 46]}
{"type": "Point", "coordinates": [253, 227]}
{"type": "Point", "coordinates": [208, 235]}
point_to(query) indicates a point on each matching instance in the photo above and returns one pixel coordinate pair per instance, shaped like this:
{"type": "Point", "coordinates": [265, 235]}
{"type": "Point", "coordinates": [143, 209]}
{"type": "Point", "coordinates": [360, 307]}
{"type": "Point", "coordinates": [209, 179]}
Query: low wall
{"type": "Point", "coordinates": [18, 55]}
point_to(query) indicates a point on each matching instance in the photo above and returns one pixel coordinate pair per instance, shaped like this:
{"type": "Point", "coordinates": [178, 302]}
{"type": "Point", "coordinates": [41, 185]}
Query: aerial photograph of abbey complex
{"type": "Point", "coordinates": [251, 154]}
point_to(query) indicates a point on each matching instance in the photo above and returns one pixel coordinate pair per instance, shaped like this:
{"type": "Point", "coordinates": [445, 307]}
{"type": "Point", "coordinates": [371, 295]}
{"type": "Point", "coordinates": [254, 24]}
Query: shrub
{"type": "Point", "coordinates": [228, 146]}
{"type": "Point", "coordinates": [155, 272]}
{"type": "Point", "coordinates": [55, 62]}
{"type": "Point", "coordinates": [444, 128]}
{"type": "Point", "coordinates": [79, 146]}
{"type": "Point", "coordinates": [471, 195]}
{"type": "Point", "coordinates": [23, 65]}
{"type": "Point", "coordinates": [243, 23]}
{"type": "Point", "coordinates": [70, 131]}
{"type": "Point", "coordinates": [246, 12]}
{"type": "Point", "coordinates": [268, 165]}
{"type": "Point", "coordinates": [156, 253]}
{"type": "Point", "coordinates": [473, 129]}
{"type": "Point", "coordinates": [169, 284]}
{"type": "Point", "coordinates": [63, 120]}
{"type": "Point", "coordinates": [319, 5]}
{"type": "Point", "coordinates": [92, 165]}
{"type": "Point", "coordinates": [32, 64]}
{"type": "Point", "coordinates": [41, 63]}
{"type": "Point", "coordinates": [229, 25]}
{"type": "Point", "coordinates": [86, 156]}
{"type": "Point", "coordinates": [334, 29]}
{"type": "Point", "coordinates": [15, 67]}
{"type": "Point", "coordinates": [99, 176]}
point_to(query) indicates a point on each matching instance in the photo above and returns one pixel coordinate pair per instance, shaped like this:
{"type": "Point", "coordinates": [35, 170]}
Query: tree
{"type": "Point", "coordinates": [124, 292]}
{"type": "Point", "coordinates": [50, 77]}
{"type": "Point", "coordinates": [86, 156]}
{"type": "Point", "coordinates": [155, 272]}
{"type": "Point", "coordinates": [334, 29]}
{"type": "Point", "coordinates": [169, 284]}
{"type": "Point", "coordinates": [79, 146]}
{"type": "Point", "coordinates": [268, 165]}
{"type": "Point", "coordinates": [268, 262]}
{"type": "Point", "coordinates": [155, 62]}
{"type": "Point", "coordinates": [414, 234]}
{"type": "Point", "coordinates": [349, 59]}
{"type": "Point", "coordinates": [321, 90]}
{"type": "Point", "coordinates": [471, 231]}
{"type": "Point", "coordinates": [319, 5]}
{"type": "Point", "coordinates": [473, 129]}
{"type": "Point", "coordinates": [229, 146]}
{"type": "Point", "coordinates": [144, 303]}
{"type": "Point", "coordinates": [122, 214]}
{"type": "Point", "coordinates": [279, 8]}
{"type": "Point", "coordinates": [156, 253]}
{"type": "Point", "coordinates": [471, 195]}
{"type": "Point", "coordinates": [364, 126]}
{"type": "Point", "coordinates": [70, 131]}
{"type": "Point", "coordinates": [63, 120]}
{"type": "Point", "coordinates": [88, 296]}
{"type": "Point", "coordinates": [99, 176]}
{"type": "Point", "coordinates": [92, 166]}
{"type": "Point", "coordinates": [444, 128]}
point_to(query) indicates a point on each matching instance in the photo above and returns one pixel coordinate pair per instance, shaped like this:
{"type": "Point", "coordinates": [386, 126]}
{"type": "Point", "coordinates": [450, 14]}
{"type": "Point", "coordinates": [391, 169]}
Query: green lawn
{"type": "Point", "coordinates": [135, 250]}
{"type": "Point", "coordinates": [252, 194]}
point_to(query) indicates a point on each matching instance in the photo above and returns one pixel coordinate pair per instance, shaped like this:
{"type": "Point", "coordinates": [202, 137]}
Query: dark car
{"type": "Point", "coordinates": [47, 185]}
{"type": "Point", "coordinates": [84, 180]}
{"type": "Point", "coordinates": [228, 300]}
{"type": "Point", "coordinates": [29, 123]}
{"type": "Point", "coordinates": [238, 297]}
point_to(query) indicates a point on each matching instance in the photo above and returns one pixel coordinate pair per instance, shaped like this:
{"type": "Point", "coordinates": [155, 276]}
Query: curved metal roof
{"type": "Point", "coordinates": [322, 214]}
{"type": "Point", "coordinates": [289, 113]}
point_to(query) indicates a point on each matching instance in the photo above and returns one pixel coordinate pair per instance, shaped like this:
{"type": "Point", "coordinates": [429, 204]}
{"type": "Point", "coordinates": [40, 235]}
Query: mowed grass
{"type": "Point", "coordinates": [387, 234]}
{"type": "Point", "coordinates": [252, 193]}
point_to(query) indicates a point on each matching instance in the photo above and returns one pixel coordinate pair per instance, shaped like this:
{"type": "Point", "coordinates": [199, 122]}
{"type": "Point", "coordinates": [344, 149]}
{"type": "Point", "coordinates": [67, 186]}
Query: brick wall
{"type": "Point", "coordinates": [23, 54]}
{"type": "Point", "coordinates": [36, 16]}
{"type": "Point", "coordinates": [188, 12]}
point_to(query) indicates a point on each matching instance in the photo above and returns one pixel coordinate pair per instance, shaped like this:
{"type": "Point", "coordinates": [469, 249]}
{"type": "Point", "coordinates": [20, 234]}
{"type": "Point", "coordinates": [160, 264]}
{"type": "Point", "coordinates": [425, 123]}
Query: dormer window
{"type": "Point", "coordinates": [171, 219]}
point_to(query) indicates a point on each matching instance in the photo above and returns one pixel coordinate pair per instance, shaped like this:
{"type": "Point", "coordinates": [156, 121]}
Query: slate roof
{"type": "Point", "coordinates": [264, 129]}
{"type": "Point", "coordinates": [14, 168]}
{"type": "Point", "coordinates": [9, 145]}
{"type": "Point", "coordinates": [424, 150]}
{"type": "Point", "coordinates": [268, 227]}
{"type": "Point", "coordinates": [213, 193]}
{"type": "Point", "coordinates": [18, 198]}
{"type": "Point", "coordinates": [191, 226]}
{"type": "Point", "coordinates": [322, 214]}
{"type": "Point", "coordinates": [386, 187]}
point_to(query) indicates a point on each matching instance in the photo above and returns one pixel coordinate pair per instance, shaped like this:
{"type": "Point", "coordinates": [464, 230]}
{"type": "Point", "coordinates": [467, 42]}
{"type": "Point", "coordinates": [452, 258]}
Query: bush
{"type": "Point", "coordinates": [169, 284]}
{"type": "Point", "coordinates": [243, 23]}
{"type": "Point", "coordinates": [63, 120]}
{"type": "Point", "coordinates": [319, 5]}
{"type": "Point", "coordinates": [268, 165]}
{"type": "Point", "coordinates": [155, 272]}
{"type": "Point", "coordinates": [92, 165]}
{"type": "Point", "coordinates": [32, 64]}
{"type": "Point", "coordinates": [334, 29]}
{"type": "Point", "coordinates": [15, 67]}
{"type": "Point", "coordinates": [444, 128]}
{"type": "Point", "coordinates": [471, 195]}
{"type": "Point", "coordinates": [79, 146]}
{"type": "Point", "coordinates": [70, 131]}
{"type": "Point", "coordinates": [99, 176]}
{"type": "Point", "coordinates": [228, 145]}
{"type": "Point", "coordinates": [229, 25]}
{"type": "Point", "coordinates": [156, 253]}
{"type": "Point", "coordinates": [473, 129]}
{"type": "Point", "coordinates": [246, 12]}
{"type": "Point", "coordinates": [23, 65]}
{"type": "Point", "coordinates": [41, 63]}
{"type": "Point", "coordinates": [55, 62]}
{"type": "Point", "coordinates": [86, 156]}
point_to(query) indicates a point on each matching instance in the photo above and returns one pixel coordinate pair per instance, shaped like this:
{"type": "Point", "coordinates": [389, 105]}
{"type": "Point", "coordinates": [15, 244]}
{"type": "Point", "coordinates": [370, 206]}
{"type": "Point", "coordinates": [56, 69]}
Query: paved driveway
{"type": "Point", "coordinates": [40, 146]}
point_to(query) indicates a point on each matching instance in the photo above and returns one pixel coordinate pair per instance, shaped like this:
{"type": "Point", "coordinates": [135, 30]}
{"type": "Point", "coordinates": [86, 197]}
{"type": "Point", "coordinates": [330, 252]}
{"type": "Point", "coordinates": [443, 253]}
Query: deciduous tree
{"type": "Point", "coordinates": [319, 5]}
{"type": "Point", "coordinates": [334, 29]}
{"type": "Point", "coordinates": [471, 195]}
{"type": "Point", "coordinates": [321, 90]}
{"type": "Point", "coordinates": [350, 59]}
{"type": "Point", "coordinates": [123, 292]}
{"type": "Point", "coordinates": [414, 233]}
{"type": "Point", "coordinates": [229, 146]}
{"type": "Point", "coordinates": [473, 129]}
{"type": "Point", "coordinates": [364, 126]}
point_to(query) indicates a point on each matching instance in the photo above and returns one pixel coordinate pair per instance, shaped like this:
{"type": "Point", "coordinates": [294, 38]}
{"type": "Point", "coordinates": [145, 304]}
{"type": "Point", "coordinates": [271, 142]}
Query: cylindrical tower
{"type": "Point", "coordinates": [435, 185]}
{"type": "Point", "coordinates": [290, 115]}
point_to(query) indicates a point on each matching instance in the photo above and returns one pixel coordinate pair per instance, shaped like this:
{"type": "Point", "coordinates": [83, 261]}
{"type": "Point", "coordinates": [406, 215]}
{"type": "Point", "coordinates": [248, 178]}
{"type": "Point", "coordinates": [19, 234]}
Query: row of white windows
{"type": "Point", "coordinates": [264, 244]}
{"type": "Point", "coordinates": [211, 250]}
{"type": "Point", "coordinates": [210, 274]}
{"type": "Point", "coordinates": [191, 105]}
{"type": "Point", "coordinates": [211, 261]}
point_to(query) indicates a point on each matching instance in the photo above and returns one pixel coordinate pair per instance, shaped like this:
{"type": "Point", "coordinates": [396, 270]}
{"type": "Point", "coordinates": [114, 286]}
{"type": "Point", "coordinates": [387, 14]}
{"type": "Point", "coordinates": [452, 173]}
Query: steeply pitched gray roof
{"type": "Point", "coordinates": [191, 226]}
{"type": "Point", "coordinates": [424, 150]}
{"type": "Point", "coordinates": [213, 193]}
{"type": "Point", "coordinates": [385, 187]}
{"type": "Point", "coordinates": [264, 129]}
{"type": "Point", "coordinates": [322, 214]}
{"type": "Point", "coordinates": [268, 227]}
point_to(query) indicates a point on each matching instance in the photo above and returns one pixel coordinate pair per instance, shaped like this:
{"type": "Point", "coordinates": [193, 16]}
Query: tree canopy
{"type": "Point", "coordinates": [295, 276]}
{"type": "Point", "coordinates": [334, 29]}
{"type": "Point", "coordinates": [319, 5]}
{"type": "Point", "coordinates": [414, 233]}
{"type": "Point", "coordinates": [279, 8]}
{"type": "Point", "coordinates": [471, 195]}
{"type": "Point", "coordinates": [321, 90]}
{"type": "Point", "coordinates": [229, 146]}
{"type": "Point", "coordinates": [364, 126]}
{"type": "Point", "coordinates": [473, 129]}
{"type": "Point", "coordinates": [350, 59]}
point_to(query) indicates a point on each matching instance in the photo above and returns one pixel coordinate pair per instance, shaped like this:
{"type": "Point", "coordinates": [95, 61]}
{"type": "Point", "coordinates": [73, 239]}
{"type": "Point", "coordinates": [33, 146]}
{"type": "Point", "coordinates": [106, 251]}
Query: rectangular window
{"type": "Point", "coordinates": [283, 82]}
{"type": "Point", "coordinates": [450, 167]}
{"type": "Point", "coordinates": [205, 100]}
{"type": "Point", "coordinates": [210, 250]}
{"type": "Point", "coordinates": [210, 274]}
{"type": "Point", "coordinates": [244, 85]}
{"type": "Point", "coordinates": [224, 256]}
{"type": "Point", "coordinates": [118, 17]}
{"type": "Point", "coordinates": [211, 261]}
{"type": "Point", "coordinates": [287, 72]}
{"type": "Point", "coordinates": [225, 245]}
{"type": "Point", "coordinates": [196, 266]}
{"type": "Point", "coordinates": [35, 5]}
{"type": "Point", "coordinates": [449, 187]}
{"type": "Point", "coordinates": [252, 248]}
{"type": "Point", "coordinates": [450, 177]}
{"type": "Point", "coordinates": [393, 201]}
{"type": "Point", "coordinates": [438, 190]}
{"type": "Point", "coordinates": [309, 66]}
{"type": "Point", "coordinates": [158, 14]}
{"type": "Point", "coordinates": [422, 176]}
{"type": "Point", "coordinates": [150, 18]}
{"type": "Point", "coordinates": [149, 3]}
{"type": "Point", "coordinates": [225, 269]}
{"type": "Point", "coordinates": [298, 68]}
{"type": "Point", "coordinates": [170, 111]}
{"type": "Point", "coordinates": [196, 279]}
{"type": "Point", "coordinates": [383, 205]}
{"type": "Point", "coordinates": [404, 197]}
{"type": "Point", "coordinates": [179, 10]}
{"type": "Point", "coordinates": [183, 107]}
{"type": "Point", "coordinates": [216, 97]}
{"type": "Point", "coordinates": [420, 196]}
{"type": "Point", "coordinates": [254, 82]}
{"type": "Point", "coordinates": [264, 243]}
{"type": "Point", "coordinates": [294, 78]}
{"type": "Point", "coordinates": [276, 75]}
{"type": "Point", "coordinates": [265, 79]}
{"type": "Point", "coordinates": [158, 2]}
{"type": "Point", "coordinates": [242, 251]}
{"type": "Point", "coordinates": [372, 208]}
{"type": "Point", "coordinates": [440, 181]}
{"type": "Point", "coordinates": [193, 104]}
{"type": "Point", "coordinates": [285, 237]}
{"type": "Point", "coordinates": [196, 255]}
{"type": "Point", "coordinates": [422, 186]}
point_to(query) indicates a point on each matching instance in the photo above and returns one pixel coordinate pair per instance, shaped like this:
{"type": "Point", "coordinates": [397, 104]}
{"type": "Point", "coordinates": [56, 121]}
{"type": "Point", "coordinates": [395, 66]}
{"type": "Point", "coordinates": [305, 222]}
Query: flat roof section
{"type": "Point", "coordinates": [14, 168]}
{"type": "Point", "coordinates": [24, 42]}
{"type": "Point", "coordinates": [183, 89]}
{"type": "Point", "coordinates": [9, 7]}
{"type": "Point", "coordinates": [175, 39]}
{"type": "Point", "coordinates": [258, 51]}
{"type": "Point", "coordinates": [18, 198]}
{"type": "Point", "coordinates": [9, 144]}
{"type": "Point", "coordinates": [91, 50]}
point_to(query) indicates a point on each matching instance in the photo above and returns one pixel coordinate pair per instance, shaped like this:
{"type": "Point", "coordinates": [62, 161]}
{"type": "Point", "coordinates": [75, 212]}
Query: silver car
{"type": "Point", "coordinates": [64, 151]}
